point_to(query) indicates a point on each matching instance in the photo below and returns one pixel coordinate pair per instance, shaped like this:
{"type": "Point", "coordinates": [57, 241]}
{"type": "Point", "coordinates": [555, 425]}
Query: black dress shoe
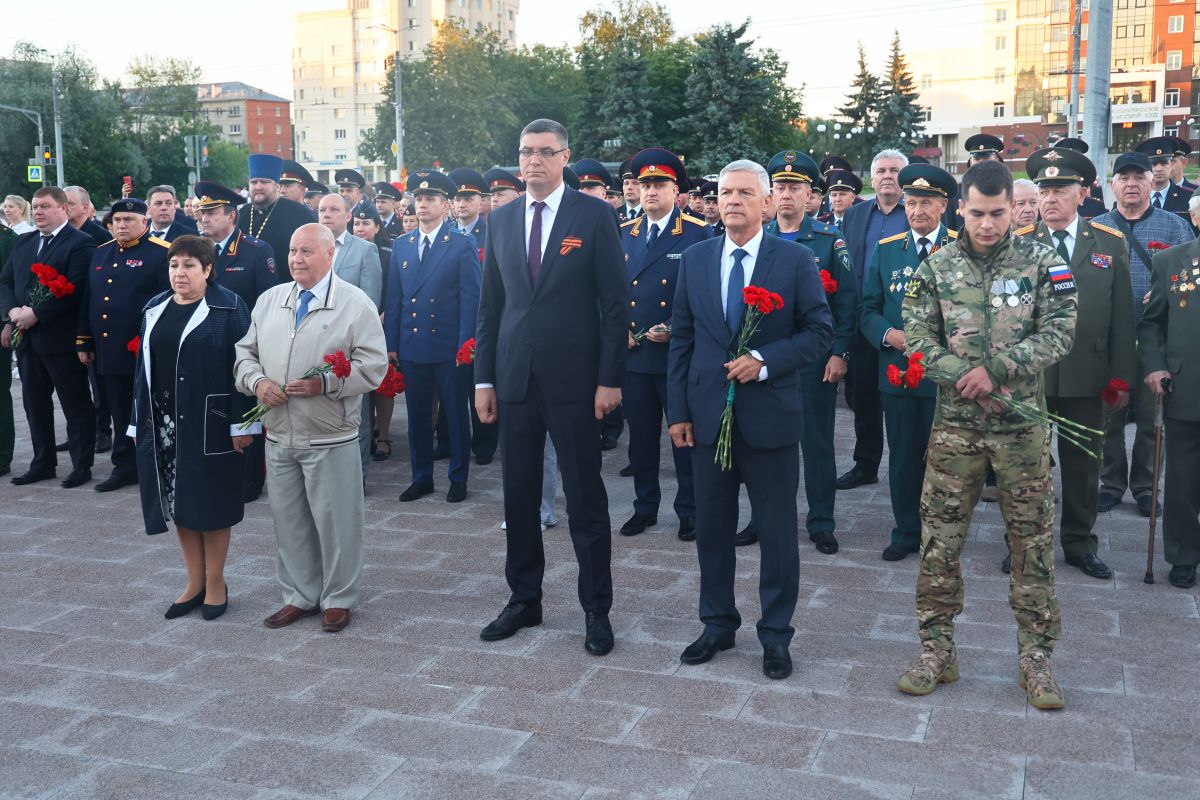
{"type": "Point", "coordinates": [62, 448]}
{"type": "Point", "coordinates": [1107, 502]}
{"type": "Point", "coordinates": [687, 529]}
{"type": "Point", "coordinates": [638, 523]}
{"type": "Point", "coordinates": [186, 607]}
{"type": "Point", "coordinates": [1006, 564]}
{"type": "Point", "coordinates": [77, 477]}
{"type": "Point", "coordinates": [1182, 576]}
{"type": "Point", "coordinates": [457, 493]}
{"type": "Point", "coordinates": [103, 442]}
{"type": "Point", "coordinates": [1143, 504]}
{"type": "Point", "coordinates": [626, 471]}
{"type": "Point", "coordinates": [777, 661]}
{"type": "Point", "coordinates": [608, 442]}
{"type": "Point", "coordinates": [707, 646]}
{"type": "Point", "coordinates": [1090, 564]}
{"type": "Point", "coordinates": [416, 491]}
{"type": "Point", "coordinates": [483, 459]}
{"type": "Point", "coordinates": [897, 551]}
{"type": "Point", "coordinates": [115, 481]}
{"type": "Point", "coordinates": [514, 617]}
{"type": "Point", "coordinates": [825, 541]}
{"type": "Point", "coordinates": [212, 612]}
{"type": "Point", "coordinates": [746, 536]}
{"type": "Point", "coordinates": [856, 477]}
{"type": "Point", "coordinates": [32, 477]}
{"type": "Point", "coordinates": [599, 638]}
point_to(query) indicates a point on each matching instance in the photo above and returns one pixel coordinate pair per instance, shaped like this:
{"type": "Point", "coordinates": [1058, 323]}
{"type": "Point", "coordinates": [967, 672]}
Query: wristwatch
{"type": "Point", "coordinates": [844, 356]}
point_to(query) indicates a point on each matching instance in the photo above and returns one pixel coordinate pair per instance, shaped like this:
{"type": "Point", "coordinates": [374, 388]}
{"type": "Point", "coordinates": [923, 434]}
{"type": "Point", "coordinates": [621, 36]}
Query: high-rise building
{"type": "Point", "coordinates": [340, 61]}
{"type": "Point", "coordinates": [248, 115]}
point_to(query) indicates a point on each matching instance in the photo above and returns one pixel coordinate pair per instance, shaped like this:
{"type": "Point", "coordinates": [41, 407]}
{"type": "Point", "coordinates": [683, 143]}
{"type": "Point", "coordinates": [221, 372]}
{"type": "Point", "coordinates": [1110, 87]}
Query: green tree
{"type": "Point", "coordinates": [739, 103]}
{"type": "Point", "coordinates": [901, 120]}
{"type": "Point", "coordinates": [227, 163]}
{"type": "Point", "coordinates": [861, 110]}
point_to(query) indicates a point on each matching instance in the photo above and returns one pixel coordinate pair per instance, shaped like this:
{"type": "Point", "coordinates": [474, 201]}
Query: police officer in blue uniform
{"type": "Point", "coordinates": [125, 273]}
{"type": "Point", "coordinates": [466, 205]}
{"type": "Point", "coordinates": [503, 186]}
{"type": "Point", "coordinates": [294, 182]}
{"type": "Point", "coordinates": [653, 243]}
{"type": "Point", "coordinates": [631, 190]}
{"type": "Point", "coordinates": [387, 203]}
{"type": "Point", "coordinates": [1164, 193]}
{"type": "Point", "coordinates": [350, 183]}
{"type": "Point", "coordinates": [907, 411]}
{"type": "Point", "coordinates": [792, 174]}
{"type": "Point", "coordinates": [712, 213]}
{"type": "Point", "coordinates": [429, 313]}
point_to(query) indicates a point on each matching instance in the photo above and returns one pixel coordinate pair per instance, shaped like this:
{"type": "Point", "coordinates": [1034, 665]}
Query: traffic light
{"type": "Point", "coordinates": [203, 151]}
{"type": "Point", "coordinates": [47, 154]}
{"type": "Point", "coordinates": [188, 156]}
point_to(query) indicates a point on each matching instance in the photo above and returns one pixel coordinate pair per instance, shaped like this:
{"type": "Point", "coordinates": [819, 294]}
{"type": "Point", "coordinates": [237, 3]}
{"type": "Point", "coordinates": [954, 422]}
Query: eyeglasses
{"type": "Point", "coordinates": [544, 153]}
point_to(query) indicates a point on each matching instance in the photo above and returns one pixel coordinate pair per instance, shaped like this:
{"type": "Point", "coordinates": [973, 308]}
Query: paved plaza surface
{"type": "Point", "coordinates": [100, 697]}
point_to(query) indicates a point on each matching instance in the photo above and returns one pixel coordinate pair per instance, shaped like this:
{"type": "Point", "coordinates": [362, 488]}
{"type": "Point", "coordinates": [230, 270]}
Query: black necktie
{"type": "Point", "coordinates": [653, 237]}
{"type": "Point", "coordinates": [1157, 200]}
{"type": "Point", "coordinates": [1061, 247]}
{"type": "Point", "coordinates": [218, 255]}
{"type": "Point", "coordinates": [924, 251]}
{"type": "Point", "coordinates": [46, 237]}
{"type": "Point", "coordinates": [424, 249]}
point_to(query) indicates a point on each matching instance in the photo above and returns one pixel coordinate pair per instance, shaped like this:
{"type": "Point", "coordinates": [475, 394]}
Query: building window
{"type": "Point", "coordinates": [303, 135]}
{"type": "Point", "coordinates": [412, 23]}
{"type": "Point", "coordinates": [479, 5]}
{"type": "Point", "coordinates": [260, 147]}
{"type": "Point", "coordinates": [278, 130]}
{"type": "Point", "coordinates": [1001, 75]}
{"type": "Point", "coordinates": [1001, 43]}
{"type": "Point", "coordinates": [927, 114]}
{"type": "Point", "coordinates": [339, 156]}
{"type": "Point", "coordinates": [1171, 98]}
{"type": "Point", "coordinates": [339, 91]}
{"type": "Point", "coordinates": [1174, 59]}
{"type": "Point", "coordinates": [1001, 14]}
{"type": "Point", "coordinates": [235, 111]}
{"type": "Point", "coordinates": [337, 49]}
{"type": "Point", "coordinates": [235, 130]}
{"type": "Point", "coordinates": [305, 156]}
{"type": "Point", "coordinates": [1175, 24]}
{"type": "Point", "coordinates": [299, 95]}
{"type": "Point", "coordinates": [412, 3]}
{"type": "Point", "coordinates": [339, 133]}
{"type": "Point", "coordinates": [1122, 32]}
{"type": "Point", "coordinates": [926, 81]}
{"type": "Point", "coordinates": [260, 130]}
{"type": "Point", "coordinates": [1139, 31]}
{"type": "Point", "coordinates": [412, 47]}
{"type": "Point", "coordinates": [998, 109]}
{"type": "Point", "coordinates": [277, 111]}
{"type": "Point", "coordinates": [339, 113]}
{"type": "Point", "coordinates": [362, 133]}
{"type": "Point", "coordinates": [1172, 131]}
{"type": "Point", "coordinates": [278, 148]}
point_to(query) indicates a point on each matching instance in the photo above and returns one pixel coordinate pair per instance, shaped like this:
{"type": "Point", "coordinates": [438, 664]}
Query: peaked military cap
{"type": "Point", "coordinates": [128, 205]}
{"type": "Point", "coordinates": [915, 159]}
{"type": "Point", "coordinates": [265, 166]}
{"type": "Point", "coordinates": [430, 181]}
{"type": "Point", "coordinates": [655, 163]}
{"type": "Point", "coordinates": [317, 189]}
{"type": "Point", "coordinates": [467, 181]}
{"type": "Point", "coordinates": [385, 189]}
{"type": "Point", "coordinates": [570, 178]}
{"type": "Point", "coordinates": [626, 169]}
{"type": "Point", "coordinates": [843, 179]}
{"type": "Point", "coordinates": [214, 195]}
{"type": "Point", "coordinates": [819, 186]}
{"type": "Point", "coordinates": [1158, 149]}
{"type": "Point", "coordinates": [294, 172]}
{"type": "Point", "coordinates": [592, 173]}
{"type": "Point", "coordinates": [1059, 166]}
{"type": "Point", "coordinates": [709, 190]}
{"type": "Point", "coordinates": [367, 210]}
{"type": "Point", "coordinates": [927, 180]}
{"type": "Point", "coordinates": [834, 162]}
{"type": "Point", "coordinates": [1182, 148]}
{"type": "Point", "coordinates": [694, 189]}
{"type": "Point", "coordinates": [1071, 143]}
{"type": "Point", "coordinates": [349, 177]}
{"type": "Point", "coordinates": [496, 178]}
{"type": "Point", "coordinates": [792, 165]}
{"type": "Point", "coordinates": [984, 144]}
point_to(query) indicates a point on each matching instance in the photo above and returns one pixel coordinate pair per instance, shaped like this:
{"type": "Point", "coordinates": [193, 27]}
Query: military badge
{"type": "Point", "coordinates": [1051, 172]}
{"type": "Point", "coordinates": [1061, 279]}
{"type": "Point", "coordinates": [1102, 260]}
{"type": "Point", "coordinates": [915, 286]}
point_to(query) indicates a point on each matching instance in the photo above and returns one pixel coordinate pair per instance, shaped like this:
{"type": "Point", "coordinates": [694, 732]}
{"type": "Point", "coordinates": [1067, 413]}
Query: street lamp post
{"type": "Point", "coordinates": [398, 103]}
{"type": "Point", "coordinates": [36, 118]}
{"type": "Point", "coordinates": [58, 148]}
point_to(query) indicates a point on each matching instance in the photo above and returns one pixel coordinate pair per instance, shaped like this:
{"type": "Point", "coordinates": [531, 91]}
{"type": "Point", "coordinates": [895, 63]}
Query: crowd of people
{"type": "Point", "coordinates": [258, 337]}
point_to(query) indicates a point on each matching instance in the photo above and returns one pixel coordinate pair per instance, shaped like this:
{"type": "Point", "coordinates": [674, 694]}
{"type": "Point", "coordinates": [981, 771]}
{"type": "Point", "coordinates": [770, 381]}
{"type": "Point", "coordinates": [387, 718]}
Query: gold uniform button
{"type": "Point", "coordinates": [414, 330]}
{"type": "Point", "coordinates": [105, 334]}
{"type": "Point", "coordinates": [106, 299]}
{"type": "Point", "coordinates": [664, 281]}
{"type": "Point", "coordinates": [632, 303]}
{"type": "Point", "coordinates": [635, 283]}
{"type": "Point", "coordinates": [104, 316]}
{"type": "Point", "coordinates": [413, 300]}
{"type": "Point", "coordinates": [633, 324]}
{"type": "Point", "coordinates": [414, 315]}
{"type": "Point", "coordinates": [110, 280]}
{"type": "Point", "coordinates": [663, 304]}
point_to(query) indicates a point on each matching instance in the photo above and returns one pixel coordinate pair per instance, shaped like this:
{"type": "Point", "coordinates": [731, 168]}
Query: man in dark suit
{"type": "Point", "coordinates": [767, 422]}
{"type": "Point", "coordinates": [165, 224]}
{"type": "Point", "coordinates": [46, 358]}
{"type": "Point", "coordinates": [863, 226]}
{"type": "Point", "coordinates": [550, 351]}
{"type": "Point", "coordinates": [79, 212]}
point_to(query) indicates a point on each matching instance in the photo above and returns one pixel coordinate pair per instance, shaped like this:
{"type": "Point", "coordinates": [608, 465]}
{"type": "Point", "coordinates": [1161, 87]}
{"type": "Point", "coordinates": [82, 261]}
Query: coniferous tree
{"type": "Point", "coordinates": [861, 110]}
{"type": "Point", "coordinates": [901, 121]}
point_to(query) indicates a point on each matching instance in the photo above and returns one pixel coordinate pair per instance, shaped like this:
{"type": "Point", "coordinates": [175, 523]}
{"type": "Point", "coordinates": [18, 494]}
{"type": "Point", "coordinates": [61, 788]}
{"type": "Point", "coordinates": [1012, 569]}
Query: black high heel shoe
{"type": "Point", "coordinates": [212, 612]}
{"type": "Point", "coordinates": [186, 607]}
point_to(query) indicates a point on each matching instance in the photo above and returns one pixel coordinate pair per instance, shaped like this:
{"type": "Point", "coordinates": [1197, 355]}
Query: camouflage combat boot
{"type": "Point", "coordinates": [934, 667]}
{"type": "Point", "coordinates": [1033, 675]}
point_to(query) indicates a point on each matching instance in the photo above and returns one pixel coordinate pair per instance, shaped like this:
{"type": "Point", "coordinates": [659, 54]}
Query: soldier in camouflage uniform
{"type": "Point", "coordinates": [990, 311]}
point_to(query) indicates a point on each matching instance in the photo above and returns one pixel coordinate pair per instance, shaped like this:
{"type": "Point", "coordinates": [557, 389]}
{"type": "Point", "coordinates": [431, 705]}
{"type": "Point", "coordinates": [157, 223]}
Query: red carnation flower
{"type": "Point", "coordinates": [339, 364]}
{"type": "Point", "coordinates": [134, 345]}
{"type": "Point", "coordinates": [828, 283]}
{"type": "Point", "coordinates": [1156, 245]}
{"type": "Point", "coordinates": [466, 353]}
{"type": "Point", "coordinates": [393, 382]}
{"type": "Point", "coordinates": [894, 376]}
{"type": "Point", "coordinates": [914, 374]}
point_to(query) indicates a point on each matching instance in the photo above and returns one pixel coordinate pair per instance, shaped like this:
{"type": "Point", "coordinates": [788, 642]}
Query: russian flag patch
{"type": "Point", "coordinates": [1061, 279]}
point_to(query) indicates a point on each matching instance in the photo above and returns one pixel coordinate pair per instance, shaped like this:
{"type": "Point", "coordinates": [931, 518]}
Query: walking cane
{"type": "Point", "coordinates": [1158, 434]}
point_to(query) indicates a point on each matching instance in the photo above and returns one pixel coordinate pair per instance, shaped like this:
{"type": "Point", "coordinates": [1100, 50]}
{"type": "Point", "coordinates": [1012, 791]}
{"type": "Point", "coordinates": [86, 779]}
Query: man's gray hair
{"type": "Point", "coordinates": [547, 126]}
{"type": "Point", "coordinates": [882, 154]}
{"type": "Point", "coordinates": [162, 188]}
{"type": "Point", "coordinates": [1194, 202]}
{"type": "Point", "coordinates": [83, 193]}
{"type": "Point", "coordinates": [1028, 184]}
{"type": "Point", "coordinates": [746, 165]}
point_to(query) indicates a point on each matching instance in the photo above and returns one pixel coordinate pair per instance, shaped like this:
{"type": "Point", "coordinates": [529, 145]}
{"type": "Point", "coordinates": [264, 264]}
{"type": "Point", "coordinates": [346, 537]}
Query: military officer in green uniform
{"type": "Point", "coordinates": [907, 409]}
{"type": "Point", "coordinates": [989, 311]}
{"type": "Point", "coordinates": [1104, 338]}
{"type": "Point", "coordinates": [1167, 336]}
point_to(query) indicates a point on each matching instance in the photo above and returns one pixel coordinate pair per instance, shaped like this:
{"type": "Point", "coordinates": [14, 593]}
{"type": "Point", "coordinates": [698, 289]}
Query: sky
{"type": "Point", "coordinates": [250, 40]}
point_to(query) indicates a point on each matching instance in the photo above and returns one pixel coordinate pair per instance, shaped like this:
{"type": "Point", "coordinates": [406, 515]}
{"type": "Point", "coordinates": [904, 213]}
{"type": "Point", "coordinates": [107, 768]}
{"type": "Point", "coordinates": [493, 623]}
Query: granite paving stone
{"type": "Point", "coordinates": [440, 740]}
{"type": "Point", "coordinates": [294, 767]}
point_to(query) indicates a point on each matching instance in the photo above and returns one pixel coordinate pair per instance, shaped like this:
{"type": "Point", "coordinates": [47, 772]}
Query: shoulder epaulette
{"type": "Point", "coordinates": [1107, 229]}
{"type": "Point", "coordinates": [894, 238]}
{"type": "Point", "coordinates": [824, 227]}
{"type": "Point", "coordinates": [951, 233]}
{"type": "Point", "coordinates": [160, 242]}
{"type": "Point", "coordinates": [630, 222]}
{"type": "Point", "coordinates": [1026, 230]}
{"type": "Point", "coordinates": [694, 220]}
{"type": "Point", "coordinates": [110, 241]}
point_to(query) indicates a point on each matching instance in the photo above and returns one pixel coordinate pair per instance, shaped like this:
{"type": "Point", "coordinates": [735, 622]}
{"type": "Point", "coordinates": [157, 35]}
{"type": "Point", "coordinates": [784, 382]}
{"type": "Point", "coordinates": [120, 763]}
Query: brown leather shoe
{"type": "Point", "coordinates": [288, 615]}
{"type": "Point", "coordinates": [334, 619]}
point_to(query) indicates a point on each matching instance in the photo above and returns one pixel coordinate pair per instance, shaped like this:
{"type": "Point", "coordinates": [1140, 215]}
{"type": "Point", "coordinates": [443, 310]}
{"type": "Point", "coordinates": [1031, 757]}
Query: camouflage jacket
{"type": "Point", "coordinates": [1012, 312]}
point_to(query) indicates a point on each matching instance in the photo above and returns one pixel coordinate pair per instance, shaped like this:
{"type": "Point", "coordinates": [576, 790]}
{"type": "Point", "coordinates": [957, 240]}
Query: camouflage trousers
{"type": "Point", "coordinates": [956, 465]}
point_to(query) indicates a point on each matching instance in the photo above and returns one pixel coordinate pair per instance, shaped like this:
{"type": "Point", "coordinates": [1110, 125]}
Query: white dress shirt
{"type": "Point", "coordinates": [338, 243]}
{"type": "Point", "coordinates": [1072, 231]}
{"type": "Point", "coordinates": [751, 247]}
{"type": "Point", "coordinates": [1161, 194]}
{"type": "Point", "coordinates": [53, 233]}
{"type": "Point", "coordinates": [548, 214]}
{"type": "Point", "coordinates": [224, 243]}
{"type": "Point", "coordinates": [319, 291]}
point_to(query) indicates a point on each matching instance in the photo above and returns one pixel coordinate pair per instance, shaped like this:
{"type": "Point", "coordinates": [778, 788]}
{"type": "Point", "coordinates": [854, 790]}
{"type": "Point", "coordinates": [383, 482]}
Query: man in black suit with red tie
{"type": "Point", "coordinates": [550, 356]}
{"type": "Point", "coordinates": [707, 317]}
{"type": "Point", "coordinates": [46, 358]}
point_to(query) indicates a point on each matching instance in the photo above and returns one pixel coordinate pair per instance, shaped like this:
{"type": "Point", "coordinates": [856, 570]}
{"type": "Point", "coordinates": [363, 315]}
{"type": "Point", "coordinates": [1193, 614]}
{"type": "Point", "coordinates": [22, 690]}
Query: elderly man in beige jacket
{"type": "Point", "coordinates": [314, 476]}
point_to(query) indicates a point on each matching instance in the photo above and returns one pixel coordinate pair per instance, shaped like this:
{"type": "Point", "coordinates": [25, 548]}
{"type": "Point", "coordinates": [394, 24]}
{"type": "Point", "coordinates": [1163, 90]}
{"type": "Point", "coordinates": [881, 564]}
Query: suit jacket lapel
{"type": "Point", "coordinates": [567, 210]}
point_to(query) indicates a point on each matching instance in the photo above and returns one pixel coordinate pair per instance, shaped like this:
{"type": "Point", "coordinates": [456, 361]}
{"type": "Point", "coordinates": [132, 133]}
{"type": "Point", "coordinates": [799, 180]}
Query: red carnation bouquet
{"type": "Point", "coordinates": [393, 382]}
{"type": "Point", "coordinates": [335, 362]}
{"type": "Point", "coordinates": [466, 353]}
{"type": "Point", "coordinates": [1111, 396]}
{"type": "Point", "coordinates": [910, 377]}
{"type": "Point", "coordinates": [759, 303]}
{"type": "Point", "coordinates": [828, 283]}
{"type": "Point", "coordinates": [1154, 246]}
{"type": "Point", "coordinates": [51, 284]}
{"type": "Point", "coordinates": [134, 345]}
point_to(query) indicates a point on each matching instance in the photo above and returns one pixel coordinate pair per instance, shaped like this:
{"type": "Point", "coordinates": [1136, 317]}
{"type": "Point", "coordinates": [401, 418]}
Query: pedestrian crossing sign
{"type": "Point", "coordinates": [33, 174]}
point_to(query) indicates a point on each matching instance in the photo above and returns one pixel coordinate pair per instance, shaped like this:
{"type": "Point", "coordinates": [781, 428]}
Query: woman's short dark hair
{"type": "Point", "coordinates": [989, 178]}
{"type": "Point", "coordinates": [197, 247]}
